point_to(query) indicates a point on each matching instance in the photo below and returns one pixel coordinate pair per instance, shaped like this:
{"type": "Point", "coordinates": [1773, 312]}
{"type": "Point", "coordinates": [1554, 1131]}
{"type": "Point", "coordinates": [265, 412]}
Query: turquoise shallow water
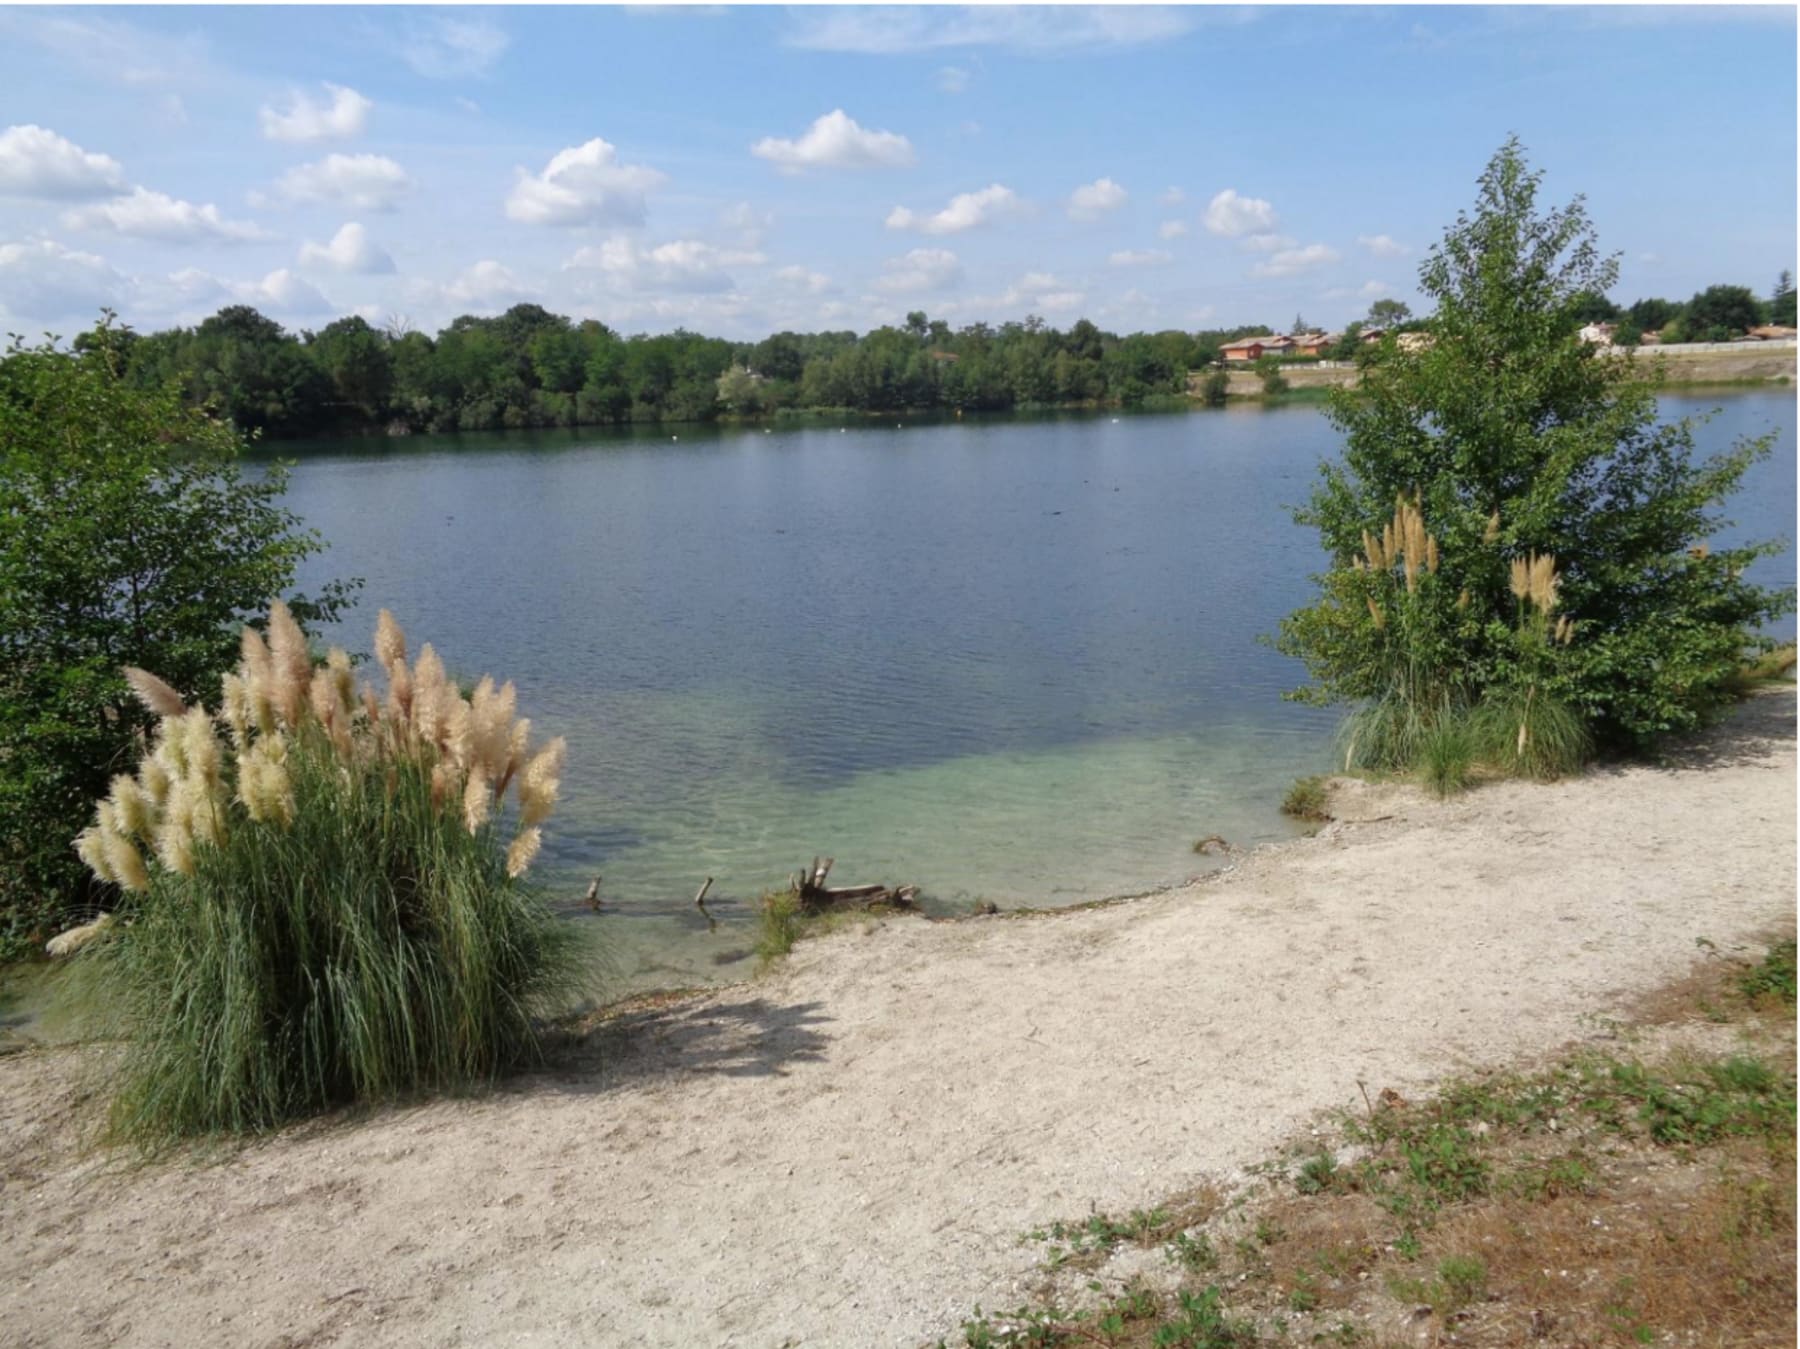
{"type": "Point", "coordinates": [1012, 660]}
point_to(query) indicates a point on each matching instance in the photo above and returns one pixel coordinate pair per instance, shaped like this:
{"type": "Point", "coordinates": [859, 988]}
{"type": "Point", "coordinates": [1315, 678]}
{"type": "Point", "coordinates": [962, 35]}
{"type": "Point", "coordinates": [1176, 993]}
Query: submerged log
{"type": "Point", "coordinates": [817, 897]}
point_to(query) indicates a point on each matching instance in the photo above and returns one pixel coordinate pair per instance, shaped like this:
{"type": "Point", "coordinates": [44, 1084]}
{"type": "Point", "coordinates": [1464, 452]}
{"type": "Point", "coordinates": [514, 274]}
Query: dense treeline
{"type": "Point", "coordinates": [530, 367]}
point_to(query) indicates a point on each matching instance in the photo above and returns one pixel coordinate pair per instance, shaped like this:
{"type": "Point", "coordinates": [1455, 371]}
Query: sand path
{"type": "Point", "coordinates": [846, 1154]}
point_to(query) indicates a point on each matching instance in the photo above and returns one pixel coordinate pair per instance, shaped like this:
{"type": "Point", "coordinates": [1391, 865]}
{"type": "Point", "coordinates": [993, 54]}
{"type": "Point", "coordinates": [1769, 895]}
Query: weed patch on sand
{"type": "Point", "coordinates": [1641, 1193]}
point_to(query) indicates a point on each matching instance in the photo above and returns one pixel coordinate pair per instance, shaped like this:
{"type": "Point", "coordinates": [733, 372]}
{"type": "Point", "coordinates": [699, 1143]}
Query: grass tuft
{"type": "Point", "coordinates": [1527, 733]}
{"type": "Point", "coordinates": [1446, 756]}
{"type": "Point", "coordinates": [1307, 799]}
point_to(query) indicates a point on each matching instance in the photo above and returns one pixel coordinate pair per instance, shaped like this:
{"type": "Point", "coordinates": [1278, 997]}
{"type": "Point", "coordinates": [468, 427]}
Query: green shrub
{"type": "Point", "coordinates": [129, 535]}
{"type": "Point", "coordinates": [323, 907]}
{"type": "Point", "coordinates": [1214, 389]}
{"type": "Point", "coordinates": [1516, 442]}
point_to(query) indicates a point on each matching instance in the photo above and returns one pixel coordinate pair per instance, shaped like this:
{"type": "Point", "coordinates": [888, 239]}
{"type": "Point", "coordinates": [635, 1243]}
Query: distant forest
{"type": "Point", "coordinates": [529, 367]}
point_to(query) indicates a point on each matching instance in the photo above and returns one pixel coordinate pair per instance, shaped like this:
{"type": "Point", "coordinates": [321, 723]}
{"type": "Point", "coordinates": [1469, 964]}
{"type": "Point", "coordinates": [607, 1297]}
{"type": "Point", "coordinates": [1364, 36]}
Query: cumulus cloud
{"type": "Point", "coordinates": [362, 182]}
{"type": "Point", "coordinates": [44, 282]}
{"type": "Point", "coordinates": [836, 141]}
{"type": "Point", "coordinates": [305, 119]}
{"type": "Point", "coordinates": [486, 285]}
{"type": "Point", "coordinates": [1383, 246]}
{"type": "Point", "coordinates": [921, 269]}
{"type": "Point", "coordinates": [155, 215]}
{"type": "Point", "coordinates": [1171, 229]}
{"type": "Point", "coordinates": [452, 48]}
{"type": "Point", "coordinates": [1291, 261]}
{"type": "Point", "coordinates": [286, 293]}
{"type": "Point", "coordinates": [952, 79]}
{"type": "Point", "coordinates": [585, 184]}
{"type": "Point", "coordinates": [804, 279]}
{"type": "Point", "coordinates": [350, 250]}
{"type": "Point", "coordinates": [1232, 215]}
{"type": "Point", "coordinates": [689, 265]}
{"type": "Point", "coordinates": [1140, 257]}
{"type": "Point", "coordinates": [965, 211]}
{"type": "Point", "coordinates": [1093, 200]}
{"type": "Point", "coordinates": [1172, 196]}
{"type": "Point", "coordinates": [36, 162]}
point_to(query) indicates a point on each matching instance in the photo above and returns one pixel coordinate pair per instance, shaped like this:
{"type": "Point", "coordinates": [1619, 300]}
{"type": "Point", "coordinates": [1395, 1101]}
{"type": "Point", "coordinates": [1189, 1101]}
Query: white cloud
{"type": "Point", "coordinates": [1232, 215]}
{"type": "Point", "coordinates": [36, 162]}
{"type": "Point", "coordinates": [965, 211]}
{"type": "Point", "coordinates": [889, 30]}
{"type": "Point", "coordinates": [921, 269]}
{"type": "Point", "coordinates": [1140, 257]}
{"type": "Point", "coordinates": [1369, 290]}
{"type": "Point", "coordinates": [804, 279]}
{"type": "Point", "coordinates": [350, 250]}
{"type": "Point", "coordinates": [1290, 261]}
{"type": "Point", "coordinates": [1172, 196]}
{"type": "Point", "coordinates": [1266, 243]}
{"type": "Point", "coordinates": [1093, 200]}
{"type": "Point", "coordinates": [452, 48]}
{"type": "Point", "coordinates": [486, 285]}
{"type": "Point", "coordinates": [1383, 246]}
{"type": "Point", "coordinates": [836, 141]}
{"type": "Point", "coordinates": [362, 182]}
{"type": "Point", "coordinates": [286, 293]}
{"type": "Point", "coordinates": [155, 215]}
{"type": "Point", "coordinates": [1171, 229]}
{"type": "Point", "coordinates": [583, 185]}
{"type": "Point", "coordinates": [306, 120]}
{"type": "Point", "coordinates": [689, 265]}
{"type": "Point", "coordinates": [1040, 291]}
{"type": "Point", "coordinates": [952, 79]}
{"type": "Point", "coordinates": [44, 282]}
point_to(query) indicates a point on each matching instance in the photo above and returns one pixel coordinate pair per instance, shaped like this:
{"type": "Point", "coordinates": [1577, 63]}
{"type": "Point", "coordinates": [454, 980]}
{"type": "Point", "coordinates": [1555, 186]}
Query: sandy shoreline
{"type": "Point", "coordinates": [847, 1152]}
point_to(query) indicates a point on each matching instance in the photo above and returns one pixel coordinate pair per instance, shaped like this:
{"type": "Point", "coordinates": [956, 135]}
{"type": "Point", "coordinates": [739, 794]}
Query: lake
{"type": "Point", "coordinates": [1009, 660]}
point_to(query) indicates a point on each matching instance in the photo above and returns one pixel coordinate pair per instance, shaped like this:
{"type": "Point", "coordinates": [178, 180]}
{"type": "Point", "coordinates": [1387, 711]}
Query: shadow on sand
{"type": "Point", "coordinates": [747, 1037]}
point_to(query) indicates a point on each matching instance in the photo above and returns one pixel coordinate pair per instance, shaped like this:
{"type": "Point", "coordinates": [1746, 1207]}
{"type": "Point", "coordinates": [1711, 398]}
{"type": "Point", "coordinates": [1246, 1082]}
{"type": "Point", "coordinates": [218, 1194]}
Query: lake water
{"type": "Point", "coordinates": [1012, 660]}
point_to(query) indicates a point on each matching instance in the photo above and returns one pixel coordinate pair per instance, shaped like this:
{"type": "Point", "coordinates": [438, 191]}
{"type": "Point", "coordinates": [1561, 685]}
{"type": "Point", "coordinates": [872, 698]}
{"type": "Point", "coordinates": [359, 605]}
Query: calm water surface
{"type": "Point", "coordinates": [1010, 660]}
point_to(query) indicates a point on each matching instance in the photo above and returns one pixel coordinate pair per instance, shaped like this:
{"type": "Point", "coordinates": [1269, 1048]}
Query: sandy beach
{"type": "Point", "coordinates": [847, 1151]}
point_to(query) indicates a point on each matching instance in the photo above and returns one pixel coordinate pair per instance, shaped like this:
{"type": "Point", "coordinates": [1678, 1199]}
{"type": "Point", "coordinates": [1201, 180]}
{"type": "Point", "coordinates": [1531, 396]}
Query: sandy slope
{"type": "Point", "coordinates": [847, 1153]}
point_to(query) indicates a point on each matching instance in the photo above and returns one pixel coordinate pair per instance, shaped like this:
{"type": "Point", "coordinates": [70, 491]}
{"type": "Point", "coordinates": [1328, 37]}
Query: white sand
{"type": "Point", "coordinates": [846, 1154]}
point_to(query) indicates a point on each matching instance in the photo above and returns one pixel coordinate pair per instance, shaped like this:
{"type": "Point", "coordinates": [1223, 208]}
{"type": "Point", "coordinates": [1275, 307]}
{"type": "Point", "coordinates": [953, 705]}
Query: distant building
{"type": "Point", "coordinates": [1772, 332]}
{"type": "Point", "coordinates": [1314, 344]}
{"type": "Point", "coordinates": [1598, 334]}
{"type": "Point", "coordinates": [1372, 334]}
{"type": "Point", "coordinates": [1413, 341]}
{"type": "Point", "coordinates": [1248, 349]}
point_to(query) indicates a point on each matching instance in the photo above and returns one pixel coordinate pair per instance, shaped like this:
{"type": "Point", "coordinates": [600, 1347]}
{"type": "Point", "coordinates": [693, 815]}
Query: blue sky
{"type": "Point", "coordinates": [741, 170]}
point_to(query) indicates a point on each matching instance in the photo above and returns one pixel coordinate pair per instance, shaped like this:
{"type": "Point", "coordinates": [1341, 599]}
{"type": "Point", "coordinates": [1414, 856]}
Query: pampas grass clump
{"type": "Point", "coordinates": [323, 892]}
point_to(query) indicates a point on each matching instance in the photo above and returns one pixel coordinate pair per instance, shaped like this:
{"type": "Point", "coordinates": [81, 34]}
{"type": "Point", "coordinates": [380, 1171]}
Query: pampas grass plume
{"type": "Point", "coordinates": [153, 693]}
{"type": "Point", "coordinates": [390, 642]}
{"type": "Point", "coordinates": [478, 799]}
{"type": "Point", "coordinates": [524, 848]}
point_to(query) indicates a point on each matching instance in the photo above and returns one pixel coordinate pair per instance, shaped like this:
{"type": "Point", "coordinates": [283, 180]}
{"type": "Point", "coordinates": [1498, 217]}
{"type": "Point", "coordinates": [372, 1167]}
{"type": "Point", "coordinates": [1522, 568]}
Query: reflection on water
{"type": "Point", "coordinates": [1010, 660]}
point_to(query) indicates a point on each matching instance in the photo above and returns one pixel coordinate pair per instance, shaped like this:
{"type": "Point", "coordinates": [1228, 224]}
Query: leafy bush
{"type": "Point", "coordinates": [128, 536]}
{"type": "Point", "coordinates": [1307, 799]}
{"type": "Point", "coordinates": [321, 907]}
{"type": "Point", "coordinates": [1213, 390]}
{"type": "Point", "coordinates": [1516, 442]}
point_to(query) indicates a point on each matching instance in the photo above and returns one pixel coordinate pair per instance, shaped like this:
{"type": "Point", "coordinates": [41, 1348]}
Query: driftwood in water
{"type": "Point", "coordinates": [592, 898]}
{"type": "Point", "coordinates": [816, 897]}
